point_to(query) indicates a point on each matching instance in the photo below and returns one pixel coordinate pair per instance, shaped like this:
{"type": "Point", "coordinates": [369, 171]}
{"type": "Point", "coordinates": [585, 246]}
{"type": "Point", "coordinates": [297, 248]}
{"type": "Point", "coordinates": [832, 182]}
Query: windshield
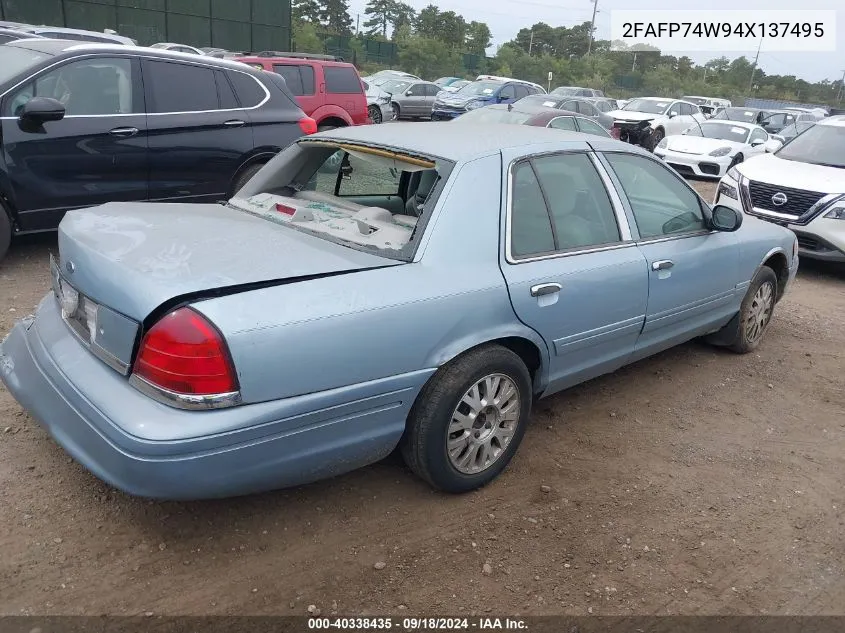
{"type": "Point", "coordinates": [818, 145]}
{"type": "Point", "coordinates": [723, 131]}
{"type": "Point", "coordinates": [369, 199]}
{"type": "Point", "coordinates": [14, 60]}
{"type": "Point", "coordinates": [565, 91]}
{"type": "Point", "coordinates": [494, 115]}
{"type": "Point", "coordinates": [696, 100]}
{"type": "Point", "coordinates": [547, 101]}
{"type": "Point", "coordinates": [647, 106]}
{"type": "Point", "coordinates": [737, 114]}
{"type": "Point", "coordinates": [457, 85]}
{"type": "Point", "coordinates": [796, 128]}
{"type": "Point", "coordinates": [395, 85]}
{"type": "Point", "coordinates": [480, 88]}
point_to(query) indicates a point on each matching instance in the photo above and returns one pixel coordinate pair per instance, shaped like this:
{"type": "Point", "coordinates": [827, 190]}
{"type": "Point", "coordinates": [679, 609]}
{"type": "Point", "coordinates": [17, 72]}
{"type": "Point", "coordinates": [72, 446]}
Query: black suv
{"type": "Point", "coordinates": [84, 124]}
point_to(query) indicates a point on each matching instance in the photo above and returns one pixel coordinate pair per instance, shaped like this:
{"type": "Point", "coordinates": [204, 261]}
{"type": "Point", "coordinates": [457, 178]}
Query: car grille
{"type": "Point", "coordinates": [682, 169]}
{"type": "Point", "coordinates": [798, 201]}
{"type": "Point", "coordinates": [709, 168]}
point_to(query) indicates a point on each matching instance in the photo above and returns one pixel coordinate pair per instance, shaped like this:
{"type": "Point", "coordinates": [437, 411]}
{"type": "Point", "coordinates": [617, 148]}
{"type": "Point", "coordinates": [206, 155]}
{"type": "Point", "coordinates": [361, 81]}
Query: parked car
{"type": "Point", "coordinates": [84, 124]}
{"type": "Point", "coordinates": [581, 106]}
{"type": "Point", "coordinates": [479, 94]}
{"type": "Point", "coordinates": [455, 86]}
{"type": "Point", "coordinates": [538, 116]}
{"type": "Point", "coordinates": [378, 103]}
{"type": "Point", "coordinates": [791, 131]}
{"type": "Point", "coordinates": [773, 121]}
{"type": "Point", "coordinates": [10, 35]}
{"type": "Point", "coordinates": [646, 120]}
{"type": "Point", "coordinates": [576, 91]}
{"type": "Point", "coordinates": [181, 48]}
{"type": "Point", "coordinates": [816, 113]}
{"type": "Point", "coordinates": [414, 101]}
{"type": "Point", "coordinates": [205, 351]}
{"type": "Point", "coordinates": [710, 149]}
{"type": "Point", "coordinates": [801, 186]}
{"type": "Point", "coordinates": [442, 82]}
{"type": "Point", "coordinates": [59, 33]}
{"type": "Point", "coordinates": [329, 92]}
{"type": "Point", "coordinates": [708, 105]}
{"type": "Point", "coordinates": [604, 104]}
{"type": "Point", "coordinates": [538, 87]}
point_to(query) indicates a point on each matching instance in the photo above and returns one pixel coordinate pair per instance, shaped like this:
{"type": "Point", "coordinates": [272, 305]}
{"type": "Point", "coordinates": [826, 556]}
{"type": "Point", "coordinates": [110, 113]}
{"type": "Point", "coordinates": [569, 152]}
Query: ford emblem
{"type": "Point", "coordinates": [70, 267]}
{"type": "Point", "coordinates": [779, 199]}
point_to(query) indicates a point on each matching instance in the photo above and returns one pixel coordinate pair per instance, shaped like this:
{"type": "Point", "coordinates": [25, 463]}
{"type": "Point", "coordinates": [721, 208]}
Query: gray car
{"type": "Point", "coordinates": [412, 99]}
{"type": "Point", "coordinates": [378, 103]}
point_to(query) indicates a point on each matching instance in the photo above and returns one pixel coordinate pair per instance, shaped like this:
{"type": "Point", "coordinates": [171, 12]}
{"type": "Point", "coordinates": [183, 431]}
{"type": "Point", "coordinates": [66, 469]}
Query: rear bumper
{"type": "Point", "coordinates": [270, 445]}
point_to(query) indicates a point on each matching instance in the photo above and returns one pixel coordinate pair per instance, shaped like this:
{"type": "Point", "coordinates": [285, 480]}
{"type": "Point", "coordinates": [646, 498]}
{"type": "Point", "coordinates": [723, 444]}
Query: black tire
{"type": "Point", "coordinates": [325, 127]}
{"type": "Point", "coordinates": [375, 114]}
{"type": "Point", "coordinates": [245, 176]}
{"type": "Point", "coordinates": [658, 136]}
{"type": "Point", "coordinates": [5, 232]}
{"type": "Point", "coordinates": [396, 111]}
{"type": "Point", "coordinates": [424, 444]}
{"type": "Point", "coordinates": [744, 342]}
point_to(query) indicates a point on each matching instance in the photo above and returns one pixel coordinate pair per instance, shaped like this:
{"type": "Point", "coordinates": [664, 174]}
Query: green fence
{"type": "Point", "coordinates": [238, 25]}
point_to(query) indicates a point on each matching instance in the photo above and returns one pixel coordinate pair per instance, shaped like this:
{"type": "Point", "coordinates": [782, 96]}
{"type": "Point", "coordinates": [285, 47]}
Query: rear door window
{"type": "Point", "coordinates": [342, 80]}
{"type": "Point", "coordinates": [175, 87]}
{"type": "Point", "coordinates": [249, 90]}
{"type": "Point", "coordinates": [521, 91]}
{"type": "Point", "coordinates": [228, 100]}
{"type": "Point", "coordinates": [299, 77]}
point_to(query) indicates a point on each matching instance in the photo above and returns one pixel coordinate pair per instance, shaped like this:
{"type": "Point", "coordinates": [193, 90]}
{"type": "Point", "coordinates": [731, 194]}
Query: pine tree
{"type": "Point", "coordinates": [334, 15]}
{"type": "Point", "coordinates": [305, 11]}
{"type": "Point", "coordinates": [380, 14]}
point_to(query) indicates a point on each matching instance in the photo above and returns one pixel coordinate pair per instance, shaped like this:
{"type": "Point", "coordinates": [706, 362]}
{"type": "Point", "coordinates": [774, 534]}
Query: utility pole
{"type": "Point", "coordinates": [531, 43]}
{"type": "Point", "coordinates": [634, 64]}
{"type": "Point", "coordinates": [705, 74]}
{"type": "Point", "coordinates": [754, 67]}
{"type": "Point", "coordinates": [592, 25]}
{"type": "Point", "coordinates": [357, 23]}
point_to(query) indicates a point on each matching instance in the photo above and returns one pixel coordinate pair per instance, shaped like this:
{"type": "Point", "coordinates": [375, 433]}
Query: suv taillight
{"type": "Point", "coordinates": [185, 355]}
{"type": "Point", "coordinates": [308, 125]}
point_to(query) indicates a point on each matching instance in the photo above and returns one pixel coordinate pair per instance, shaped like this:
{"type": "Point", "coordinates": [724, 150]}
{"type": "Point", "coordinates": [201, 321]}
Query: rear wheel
{"type": "Point", "coordinates": [245, 176]}
{"type": "Point", "coordinates": [375, 114]}
{"type": "Point", "coordinates": [469, 419]}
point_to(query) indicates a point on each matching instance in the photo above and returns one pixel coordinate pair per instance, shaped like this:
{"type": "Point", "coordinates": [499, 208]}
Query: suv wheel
{"type": "Point", "coordinates": [245, 176]}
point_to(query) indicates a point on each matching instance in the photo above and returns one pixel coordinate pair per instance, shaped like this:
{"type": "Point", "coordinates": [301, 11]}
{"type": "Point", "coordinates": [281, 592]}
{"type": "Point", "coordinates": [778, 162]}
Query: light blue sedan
{"type": "Point", "coordinates": [421, 293]}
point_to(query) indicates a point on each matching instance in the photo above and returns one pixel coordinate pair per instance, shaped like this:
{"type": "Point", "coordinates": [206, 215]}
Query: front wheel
{"type": "Point", "coordinates": [755, 314]}
{"type": "Point", "coordinates": [395, 108]}
{"type": "Point", "coordinates": [469, 419]}
{"type": "Point", "coordinates": [657, 137]}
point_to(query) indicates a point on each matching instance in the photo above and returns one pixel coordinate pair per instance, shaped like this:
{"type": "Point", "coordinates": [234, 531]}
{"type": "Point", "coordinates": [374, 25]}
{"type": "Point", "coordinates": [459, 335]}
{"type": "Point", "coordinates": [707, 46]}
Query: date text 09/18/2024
{"type": "Point", "coordinates": [416, 624]}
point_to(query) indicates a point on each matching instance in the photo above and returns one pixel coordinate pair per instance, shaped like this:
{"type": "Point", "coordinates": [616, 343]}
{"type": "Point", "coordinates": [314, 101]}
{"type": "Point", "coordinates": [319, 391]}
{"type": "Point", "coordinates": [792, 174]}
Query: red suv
{"type": "Point", "coordinates": [328, 91]}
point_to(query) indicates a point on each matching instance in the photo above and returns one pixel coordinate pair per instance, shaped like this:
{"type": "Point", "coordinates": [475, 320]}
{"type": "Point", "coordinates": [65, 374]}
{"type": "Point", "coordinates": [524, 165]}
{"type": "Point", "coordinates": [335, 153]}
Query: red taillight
{"type": "Point", "coordinates": [185, 354]}
{"type": "Point", "coordinates": [308, 125]}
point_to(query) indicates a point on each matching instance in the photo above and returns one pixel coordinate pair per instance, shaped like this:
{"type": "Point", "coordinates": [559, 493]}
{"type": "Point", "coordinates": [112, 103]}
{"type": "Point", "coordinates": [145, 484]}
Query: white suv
{"type": "Point", "coordinates": [800, 186]}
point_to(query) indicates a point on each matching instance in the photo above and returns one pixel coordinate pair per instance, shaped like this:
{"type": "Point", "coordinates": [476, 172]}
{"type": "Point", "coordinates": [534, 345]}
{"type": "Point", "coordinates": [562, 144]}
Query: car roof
{"type": "Point", "coordinates": [458, 142]}
{"type": "Point", "coordinates": [58, 47]}
{"type": "Point", "coordinates": [656, 99]}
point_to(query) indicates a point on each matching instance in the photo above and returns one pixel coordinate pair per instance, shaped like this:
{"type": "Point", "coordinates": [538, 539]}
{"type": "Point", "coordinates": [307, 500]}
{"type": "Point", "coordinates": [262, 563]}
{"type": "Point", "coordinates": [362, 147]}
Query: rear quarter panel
{"type": "Point", "coordinates": [340, 331]}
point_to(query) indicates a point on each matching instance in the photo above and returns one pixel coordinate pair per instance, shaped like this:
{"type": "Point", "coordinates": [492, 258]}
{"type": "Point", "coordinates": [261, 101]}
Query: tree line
{"type": "Point", "coordinates": [431, 43]}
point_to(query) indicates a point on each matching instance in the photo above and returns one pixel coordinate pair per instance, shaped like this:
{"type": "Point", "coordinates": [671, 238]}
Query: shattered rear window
{"type": "Point", "coordinates": [371, 199]}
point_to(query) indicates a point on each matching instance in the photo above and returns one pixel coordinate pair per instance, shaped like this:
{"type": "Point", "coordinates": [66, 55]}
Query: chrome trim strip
{"type": "Point", "coordinates": [615, 200]}
{"type": "Point", "coordinates": [142, 57]}
{"type": "Point", "coordinates": [185, 401]}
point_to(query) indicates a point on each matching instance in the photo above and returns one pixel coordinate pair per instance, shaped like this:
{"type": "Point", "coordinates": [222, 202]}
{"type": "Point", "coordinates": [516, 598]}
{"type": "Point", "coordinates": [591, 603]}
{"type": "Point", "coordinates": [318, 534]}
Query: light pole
{"type": "Point", "coordinates": [754, 68]}
{"type": "Point", "coordinates": [839, 92]}
{"type": "Point", "coordinates": [592, 25]}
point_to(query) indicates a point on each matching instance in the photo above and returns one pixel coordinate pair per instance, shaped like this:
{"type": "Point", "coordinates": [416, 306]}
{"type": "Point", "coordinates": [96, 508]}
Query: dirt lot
{"type": "Point", "coordinates": [696, 482]}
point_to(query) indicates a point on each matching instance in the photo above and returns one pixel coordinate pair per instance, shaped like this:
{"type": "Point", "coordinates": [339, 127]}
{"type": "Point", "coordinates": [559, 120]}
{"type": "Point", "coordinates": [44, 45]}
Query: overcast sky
{"type": "Point", "coordinates": [506, 17]}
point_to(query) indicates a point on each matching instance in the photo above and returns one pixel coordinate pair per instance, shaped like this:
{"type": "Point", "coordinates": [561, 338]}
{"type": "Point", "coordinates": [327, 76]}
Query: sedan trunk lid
{"type": "Point", "coordinates": [134, 257]}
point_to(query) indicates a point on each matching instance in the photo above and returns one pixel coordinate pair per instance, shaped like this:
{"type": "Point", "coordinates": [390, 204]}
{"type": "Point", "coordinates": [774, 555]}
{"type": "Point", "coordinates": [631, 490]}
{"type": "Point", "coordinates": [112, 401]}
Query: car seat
{"type": "Point", "coordinates": [421, 183]}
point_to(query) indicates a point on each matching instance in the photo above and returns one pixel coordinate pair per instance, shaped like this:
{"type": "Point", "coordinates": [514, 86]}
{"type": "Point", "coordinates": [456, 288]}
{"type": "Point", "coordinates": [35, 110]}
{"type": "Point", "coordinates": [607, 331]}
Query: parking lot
{"type": "Point", "coordinates": [695, 482]}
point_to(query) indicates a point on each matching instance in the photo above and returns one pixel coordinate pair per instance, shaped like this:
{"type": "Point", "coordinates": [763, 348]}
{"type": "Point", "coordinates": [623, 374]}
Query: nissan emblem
{"type": "Point", "coordinates": [779, 199]}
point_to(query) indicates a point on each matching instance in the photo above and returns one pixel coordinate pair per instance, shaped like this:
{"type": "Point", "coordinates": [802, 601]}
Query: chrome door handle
{"type": "Point", "coordinates": [545, 289]}
{"type": "Point", "coordinates": [663, 264]}
{"type": "Point", "coordinates": [234, 123]}
{"type": "Point", "coordinates": [124, 132]}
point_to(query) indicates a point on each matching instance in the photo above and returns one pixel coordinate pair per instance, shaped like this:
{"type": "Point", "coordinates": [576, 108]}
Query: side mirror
{"type": "Point", "coordinates": [757, 142]}
{"type": "Point", "coordinates": [725, 219]}
{"type": "Point", "coordinates": [773, 145]}
{"type": "Point", "coordinates": [672, 115]}
{"type": "Point", "coordinates": [41, 109]}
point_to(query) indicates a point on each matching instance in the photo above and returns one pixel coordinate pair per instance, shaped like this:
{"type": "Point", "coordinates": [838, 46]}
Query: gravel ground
{"type": "Point", "coordinates": [695, 482]}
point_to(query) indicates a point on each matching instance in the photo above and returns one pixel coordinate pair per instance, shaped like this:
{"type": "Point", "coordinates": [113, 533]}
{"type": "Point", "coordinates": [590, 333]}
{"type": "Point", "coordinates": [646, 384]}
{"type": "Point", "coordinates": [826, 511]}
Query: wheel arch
{"type": "Point", "coordinates": [777, 260]}
{"type": "Point", "coordinates": [332, 115]}
{"type": "Point", "coordinates": [257, 157]}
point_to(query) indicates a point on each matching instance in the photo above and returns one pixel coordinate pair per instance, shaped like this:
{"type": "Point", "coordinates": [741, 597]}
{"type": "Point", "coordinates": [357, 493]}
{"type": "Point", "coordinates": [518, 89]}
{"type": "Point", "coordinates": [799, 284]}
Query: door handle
{"type": "Point", "coordinates": [124, 132]}
{"type": "Point", "coordinates": [545, 289]}
{"type": "Point", "coordinates": [234, 123]}
{"type": "Point", "coordinates": [663, 264]}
